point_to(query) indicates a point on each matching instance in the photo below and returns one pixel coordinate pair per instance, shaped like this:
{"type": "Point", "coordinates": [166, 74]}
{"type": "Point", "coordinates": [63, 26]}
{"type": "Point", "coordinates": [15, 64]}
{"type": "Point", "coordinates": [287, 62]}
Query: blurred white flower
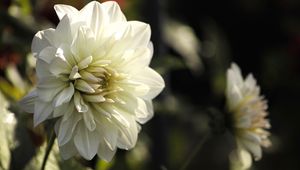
{"type": "Point", "coordinates": [7, 127]}
{"type": "Point", "coordinates": [248, 111]}
{"type": "Point", "coordinates": [94, 76]}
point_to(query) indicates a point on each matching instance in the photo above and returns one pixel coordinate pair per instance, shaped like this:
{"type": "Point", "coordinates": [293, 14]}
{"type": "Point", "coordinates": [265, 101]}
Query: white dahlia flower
{"type": "Point", "coordinates": [94, 77]}
{"type": "Point", "coordinates": [248, 111]}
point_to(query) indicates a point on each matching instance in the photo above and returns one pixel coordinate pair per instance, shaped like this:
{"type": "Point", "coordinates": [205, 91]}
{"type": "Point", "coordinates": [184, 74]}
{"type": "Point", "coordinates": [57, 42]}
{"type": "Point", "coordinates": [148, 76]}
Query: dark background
{"type": "Point", "coordinates": [261, 36]}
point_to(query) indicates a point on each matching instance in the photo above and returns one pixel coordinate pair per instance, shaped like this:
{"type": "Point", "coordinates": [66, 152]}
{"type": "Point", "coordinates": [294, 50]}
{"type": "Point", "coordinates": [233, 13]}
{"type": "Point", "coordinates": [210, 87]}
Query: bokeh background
{"type": "Point", "coordinates": [194, 42]}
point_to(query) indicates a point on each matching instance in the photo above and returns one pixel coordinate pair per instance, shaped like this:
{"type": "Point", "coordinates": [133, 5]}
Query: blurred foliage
{"type": "Point", "coordinates": [196, 45]}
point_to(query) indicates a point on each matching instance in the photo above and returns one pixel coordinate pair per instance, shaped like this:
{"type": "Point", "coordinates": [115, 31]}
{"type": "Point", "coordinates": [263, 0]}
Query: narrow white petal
{"type": "Point", "coordinates": [42, 68]}
{"type": "Point", "coordinates": [128, 136]}
{"type": "Point", "coordinates": [89, 121]}
{"type": "Point", "coordinates": [42, 111]}
{"type": "Point", "coordinates": [47, 90]}
{"type": "Point", "coordinates": [253, 148]}
{"type": "Point", "coordinates": [63, 32]}
{"type": "Point", "coordinates": [86, 142]}
{"type": "Point", "coordinates": [240, 159]}
{"type": "Point", "coordinates": [144, 111]}
{"type": "Point", "coordinates": [59, 66]}
{"type": "Point", "coordinates": [79, 48]}
{"type": "Point", "coordinates": [74, 73]}
{"type": "Point", "coordinates": [110, 137]}
{"type": "Point", "coordinates": [114, 12]}
{"type": "Point", "coordinates": [138, 60]}
{"type": "Point", "coordinates": [152, 79]}
{"type": "Point", "coordinates": [89, 77]}
{"type": "Point", "coordinates": [252, 137]}
{"type": "Point", "coordinates": [141, 33]}
{"type": "Point", "coordinates": [61, 110]}
{"type": "Point", "coordinates": [99, 108]}
{"type": "Point", "coordinates": [47, 54]}
{"type": "Point", "coordinates": [27, 103]}
{"type": "Point", "coordinates": [83, 86]}
{"type": "Point", "coordinates": [93, 98]}
{"type": "Point", "coordinates": [64, 96]}
{"type": "Point", "coordinates": [79, 103]}
{"type": "Point", "coordinates": [41, 40]}
{"type": "Point", "coordinates": [68, 150]}
{"type": "Point", "coordinates": [95, 17]}
{"type": "Point", "coordinates": [66, 129]}
{"type": "Point", "coordinates": [62, 10]}
{"type": "Point", "coordinates": [85, 62]}
{"type": "Point", "coordinates": [119, 115]}
{"type": "Point", "coordinates": [105, 153]}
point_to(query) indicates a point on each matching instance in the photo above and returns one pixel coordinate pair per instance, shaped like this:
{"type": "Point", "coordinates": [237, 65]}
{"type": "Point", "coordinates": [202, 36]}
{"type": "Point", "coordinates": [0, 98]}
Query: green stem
{"type": "Point", "coordinates": [194, 152]}
{"type": "Point", "coordinates": [48, 149]}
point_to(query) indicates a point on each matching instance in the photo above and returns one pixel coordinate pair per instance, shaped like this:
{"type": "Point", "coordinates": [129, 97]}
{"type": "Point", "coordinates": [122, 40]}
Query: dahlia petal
{"type": "Point", "coordinates": [89, 77]}
{"type": "Point", "coordinates": [27, 103]}
{"type": "Point", "coordinates": [47, 54]}
{"type": "Point", "coordinates": [93, 98]}
{"type": "Point", "coordinates": [68, 150]}
{"type": "Point", "coordinates": [110, 137]}
{"type": "Point", "coordinates": [64, 96]}
{"type": "Point", "coordinates": [50, 82]}
{"type": "Point", "coordinates": [253, 148]}
{"type": "Point", "coordinates": [59, 66]}
{"type": "Point", "coordinates": [42, 68]}
{"type": "Point", "coordinates": [48, 88]}
{"type": "Point", "coordinates": [60, 110]}
{"type": "Point", "coordinates": [114, 12]}
{"type": "Point", "coordinates": [118, 115]}
{"type": "Point", "coordinates": [241, 159]}
{"type": "Point", "coordinates": [253, 137]}
{"type": "Point", "coordinates": [66, 129]}
{"type": "Point", "coordinates": [105, 153]}
{"type": "Point", "coordinates": [250, 85]}
{"type": "Point", "coordinates": [63, 32]}
{"type": "Point", "coordinates": [83, 86]}
{"type": "Point", "coordinates": [128, 136]}
{"type": "Point", "coordinates": [127, 35]}
{"type": "Point", "coordinates": [68, 111]}
{"type": "Point", "coordinates": [95, 17]}
{"type": "Point", "coordinates": [100, 110]}
{"type": "Point", "coordinates": [152, 79]}
{"type": "Point", "coordinates": [42, 111]}
{"type": "Point", "coordinates": [140, 33]}
{"type": "Point", "coordinates": [62, 10]}
{"type": "Point", "coordinates": [41, 40]}
{"type": "Point", "coordinates": [138, 60]}
{"type": "Point", "coordinates": [235, 75]}
{"type": "Point", "coordinates": [86, 142]}
{"type": "Point", "coordinates": [144, 111]}
{"type": "Point", "coordinates": [89, 121]}
{"type": "Point", "coordinates": [85, 62]}
{"type": "Point", "coordinates": [78, 48]}
{"type": "Point", "coordinates": [79, 103]}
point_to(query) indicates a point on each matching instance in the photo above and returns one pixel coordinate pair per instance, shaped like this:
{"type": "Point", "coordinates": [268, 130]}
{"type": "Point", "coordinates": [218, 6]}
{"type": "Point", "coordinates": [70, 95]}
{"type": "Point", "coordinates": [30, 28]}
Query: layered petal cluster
{"type": "Point", "coordinates": [94, 78]}
{"type": "Point", "coordinates": [248, 112]}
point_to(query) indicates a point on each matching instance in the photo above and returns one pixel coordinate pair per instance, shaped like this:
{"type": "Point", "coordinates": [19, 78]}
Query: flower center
{"type": "Point", "coordinates": [95, 81]}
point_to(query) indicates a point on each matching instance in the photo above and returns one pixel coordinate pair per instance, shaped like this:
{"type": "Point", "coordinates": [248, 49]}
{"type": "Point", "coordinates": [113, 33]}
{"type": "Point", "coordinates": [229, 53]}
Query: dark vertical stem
{"type": "Point", "coordinates": [48, 149]}
{"type": "Point", "coordinates": [153, 15]}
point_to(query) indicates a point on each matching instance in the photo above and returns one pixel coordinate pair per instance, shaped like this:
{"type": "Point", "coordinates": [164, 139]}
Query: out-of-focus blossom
{"type": "Point", "coordinates": [248, 111]}
{"type": "Point", "coordinates": [94, 76]}
{"type": "Point", "coordinates": [183, 40]}
{"type": "Point", "coordinates": [7, 127]}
